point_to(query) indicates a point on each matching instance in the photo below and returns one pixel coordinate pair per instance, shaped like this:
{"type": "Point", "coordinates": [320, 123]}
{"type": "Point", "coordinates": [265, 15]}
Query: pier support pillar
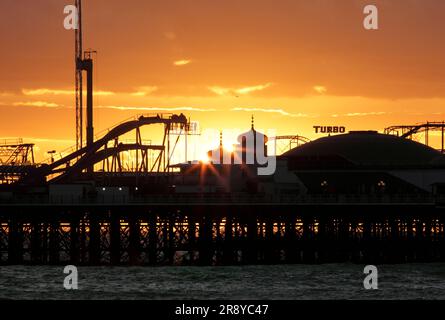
{"type": "Point", "coordinates": [322, 250]}
{"type": "Point", "coordinates": [74, 238]}
{"type": "Point", "coordinates": [115, 239]}
{"type": "Point", "coordinates": [251, 247]}
{"type": "Point", "coordinates": [134, 240]}
{"type": "Point", "coordinates": [290, 239]}
{"type": "Point", "coordinates": [15, 242]}
{"type": "Point", "coordinates": [307, 240]}
{"type": "Point", "coordinates": [152, 239]}
{"type": "Point", "coordinates": [344, 244]}
{"type": "Point", "coordinates": [269, 241]}
{"type": "Point", "coordinates": [228, 256]}
{"type": "Point", "coordinates": [54, 242]}
{"type": "Point", "coordinates": [171, 239]}
{"type": "Point", "coordinates": [205, 243]}
{"type": "Point", "coordinates": [94, 245]}
{"type": "Point", "coordinates": [36, 242]}
{"type": "Point", "coordinates": [191, 239]}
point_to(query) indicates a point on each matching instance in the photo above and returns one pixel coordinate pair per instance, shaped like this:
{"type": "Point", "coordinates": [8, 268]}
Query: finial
{"type": "Point", "coordinates": [220, 138]}
{"type": "Point", "coordinates": [253, 122]}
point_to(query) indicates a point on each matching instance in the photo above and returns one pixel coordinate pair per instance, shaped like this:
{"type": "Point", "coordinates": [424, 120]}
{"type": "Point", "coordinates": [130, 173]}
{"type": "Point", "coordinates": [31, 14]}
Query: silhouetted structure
{"type": "Point", "coordinates": [362, 196]}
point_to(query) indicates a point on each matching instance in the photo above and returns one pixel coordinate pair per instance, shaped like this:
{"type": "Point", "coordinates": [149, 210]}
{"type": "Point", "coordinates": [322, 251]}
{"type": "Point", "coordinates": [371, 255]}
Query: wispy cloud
{"type": "Point", "coordinates": [180, 63]}
{"type": "Point", "coordinates": [359, 114]}
{"type": "Point", "coordinates": [59, 141]}
{"type": "Point", "coordinates": [58, 92]}
{"type": "Point", "coordinates": [144, 91]}
{"type": "Point", "coordinates": [279, 111]}
{"type": "Point", "coordinates": [171, 109]}
{"type": "Point", "coordinates": [223, 91]}
{"type": "Point", "coordinates": [320, 89]}
{"type": "Point", "coordinates": [42, 104]}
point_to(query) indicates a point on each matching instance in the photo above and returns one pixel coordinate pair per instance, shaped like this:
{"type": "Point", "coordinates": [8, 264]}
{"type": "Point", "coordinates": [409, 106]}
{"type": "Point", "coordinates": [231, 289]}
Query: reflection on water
{"type": "Point", "coordinates": [330, 281]}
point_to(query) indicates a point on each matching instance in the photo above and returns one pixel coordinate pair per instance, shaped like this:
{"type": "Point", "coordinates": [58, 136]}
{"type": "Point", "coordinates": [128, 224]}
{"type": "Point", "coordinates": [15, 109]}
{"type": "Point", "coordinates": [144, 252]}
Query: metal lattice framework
{"type": "Point", "coordinates": [15, 152]}
{"type": "Point", "coordinates": [287, 142]}
{"type": "Point", "coordinates": [16, 159]}
{"type": "Point", "coordinates": [106, 152]}
{"type": "Point", "coordinates": [409, 131]}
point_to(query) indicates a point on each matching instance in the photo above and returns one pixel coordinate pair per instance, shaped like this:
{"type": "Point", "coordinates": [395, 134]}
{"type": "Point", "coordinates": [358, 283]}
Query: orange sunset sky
{"type": "Point", "coordinates": [292, 63]}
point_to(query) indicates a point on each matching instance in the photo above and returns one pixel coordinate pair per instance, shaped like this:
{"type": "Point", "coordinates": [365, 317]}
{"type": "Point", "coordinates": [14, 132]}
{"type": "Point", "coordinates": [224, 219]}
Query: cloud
{"type": "Point", "coordinates": [279, 111]}
{"type": "Point", "coordinates": [58, 92]}
{"type": "Point", "coordinates": [144, 91]}
{"type": "Point", "coordinates": [180, 63]}
{"type": "Point", "coordinates": [59, 141]}
{"type": "Point", "coordinates": [42, 104]}
{"type": "Point", "coordinates": [171, 109]}
{"type": "Point", "coordinates": [41, 92]}
{"type": "Point", "coordinates": [222, 91]}
{"type": "Point", "coordinates": [359, 114]}
{"type": "Point", "coordinates": [320, 89]}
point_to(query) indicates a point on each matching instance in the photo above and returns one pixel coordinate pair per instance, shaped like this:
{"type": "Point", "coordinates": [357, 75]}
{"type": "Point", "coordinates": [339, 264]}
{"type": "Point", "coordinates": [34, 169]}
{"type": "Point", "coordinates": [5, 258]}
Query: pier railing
{"type": "Point", "coordinates": [221, 199]}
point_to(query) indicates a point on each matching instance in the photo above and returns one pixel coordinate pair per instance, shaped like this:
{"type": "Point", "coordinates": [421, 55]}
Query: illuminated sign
{"type": "Point", "coordinates": [329, 129]}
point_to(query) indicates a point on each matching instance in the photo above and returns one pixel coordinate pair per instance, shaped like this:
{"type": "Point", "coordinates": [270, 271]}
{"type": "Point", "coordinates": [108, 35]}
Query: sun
{"type": "Point", "coordinates": [204, 159]}
{"type": "Point", "coordinates": [228, 147]}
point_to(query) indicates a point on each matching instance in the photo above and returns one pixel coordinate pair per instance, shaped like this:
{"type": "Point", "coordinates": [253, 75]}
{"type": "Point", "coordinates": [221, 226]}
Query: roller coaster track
{"type": "Point", "coordinates": [290, 142]}
{"type": "Point", "coordinates": [76, 162]}
{"type": "Point", "coordinates": [408, 131]}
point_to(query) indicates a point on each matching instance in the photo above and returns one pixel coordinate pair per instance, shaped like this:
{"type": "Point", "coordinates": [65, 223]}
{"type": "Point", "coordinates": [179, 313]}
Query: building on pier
{"type": "Point", "coordinates": [366, 162]}
{"type": "Point", "coordinates": [357, 163]}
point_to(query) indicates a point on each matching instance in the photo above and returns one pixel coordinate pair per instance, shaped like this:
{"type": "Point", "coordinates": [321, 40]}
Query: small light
{"type": "Point", "coordinates": [136, 188]}
{"type": "Point", "coordinates": [120, 189]}
{"type": "Point", "coordinates": [103, 189]}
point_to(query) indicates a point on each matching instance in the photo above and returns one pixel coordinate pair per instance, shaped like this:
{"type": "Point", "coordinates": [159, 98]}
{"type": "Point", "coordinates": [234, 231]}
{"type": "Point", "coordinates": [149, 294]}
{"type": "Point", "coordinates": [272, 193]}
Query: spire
{"type": "Point", "coordinates": [221, 149]}
{"type": "Point", "coordinates": [253, 122]}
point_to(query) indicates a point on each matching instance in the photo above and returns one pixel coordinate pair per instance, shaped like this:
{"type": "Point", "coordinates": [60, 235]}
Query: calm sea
{"type": "Point", "coordinates": [329, 281]}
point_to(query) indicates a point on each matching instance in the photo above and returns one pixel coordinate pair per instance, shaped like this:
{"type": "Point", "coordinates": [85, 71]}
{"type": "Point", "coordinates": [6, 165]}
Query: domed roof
{"type": "Point", "coordinates": [370, 148]}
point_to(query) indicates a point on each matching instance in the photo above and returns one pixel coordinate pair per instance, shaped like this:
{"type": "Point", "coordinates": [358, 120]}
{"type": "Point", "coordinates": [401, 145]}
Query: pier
{"type": "Point", "coordinates": [216, 231]}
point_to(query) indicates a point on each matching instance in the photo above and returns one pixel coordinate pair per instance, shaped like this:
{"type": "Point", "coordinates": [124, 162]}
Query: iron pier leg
{"type": "Point", "coordinates": [322, 251]}
{"type": "Point", "coordinates": [205, 241]}
{"type": "Point", "coordinates": [152, 239]}
{"type": "Point", "coordinates": [36, 242]}
{"type": "Point", "coordinates": [94, 245]}
{"type": "Point", "coordinates": [74, 237]}
{"type": "Point", "coordinates": [134, 241]}
{"type": "Point", "coordinates": [115, 239]}
{"type": "Point", "coordinates": [15, 242]}
{"type": "Point", "coordinates": [228, 257]}
{"type": "Point", "coordinates": [191, 238]}
{"type": "Point", "coordinates": [269, 252]}
{"type": "Point", "coordinates": [251, 250]}
{"type": "Point", "coordinates": [54, 242]}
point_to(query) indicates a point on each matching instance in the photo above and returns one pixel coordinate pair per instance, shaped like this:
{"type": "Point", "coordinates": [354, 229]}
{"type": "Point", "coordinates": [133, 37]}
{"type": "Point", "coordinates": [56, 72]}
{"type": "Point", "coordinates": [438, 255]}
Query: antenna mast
{"type": "Point", "coordinates": [79, 80]}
